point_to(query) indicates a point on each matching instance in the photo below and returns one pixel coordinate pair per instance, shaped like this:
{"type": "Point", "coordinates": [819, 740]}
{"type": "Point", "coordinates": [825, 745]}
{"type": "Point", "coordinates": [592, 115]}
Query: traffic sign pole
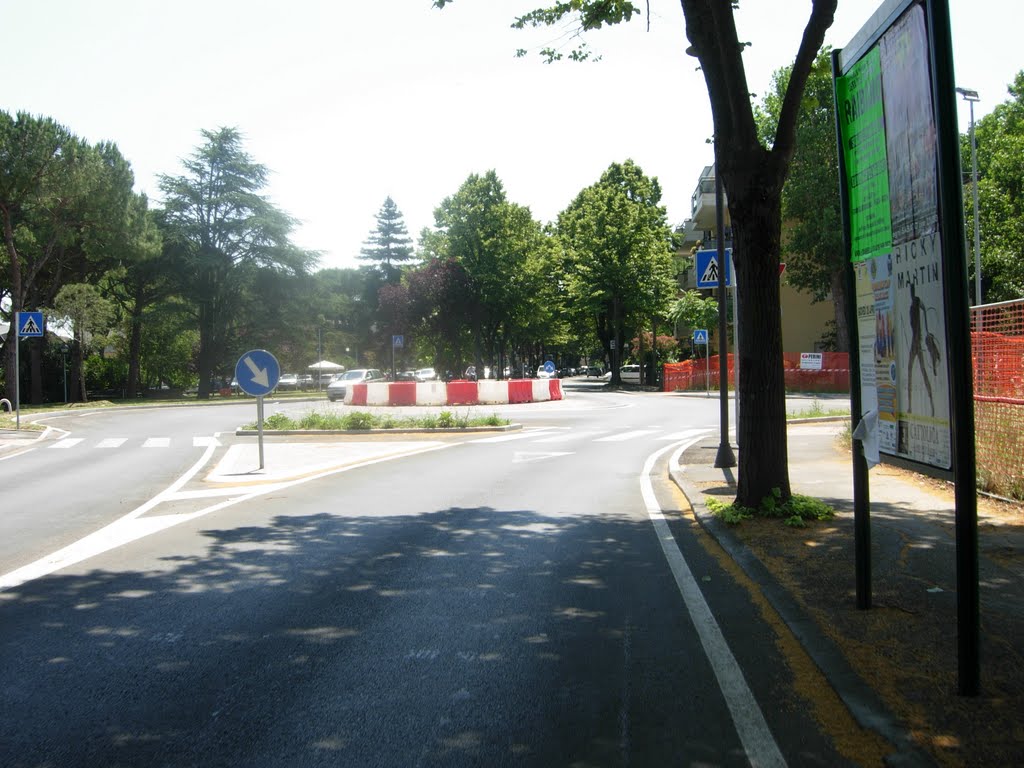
{"type": "Point", "coordinates": [259, 425]}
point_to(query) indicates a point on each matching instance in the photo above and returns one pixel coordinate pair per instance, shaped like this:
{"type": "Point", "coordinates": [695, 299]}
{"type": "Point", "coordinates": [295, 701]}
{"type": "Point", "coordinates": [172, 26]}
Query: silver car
{"type": "Point", "coordinates": [337, 389]}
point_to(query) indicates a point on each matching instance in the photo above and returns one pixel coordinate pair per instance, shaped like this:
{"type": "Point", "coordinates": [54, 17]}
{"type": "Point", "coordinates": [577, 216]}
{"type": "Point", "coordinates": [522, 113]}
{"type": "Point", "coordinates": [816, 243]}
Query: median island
{"type": "Point", "coordinates": [362, 421]}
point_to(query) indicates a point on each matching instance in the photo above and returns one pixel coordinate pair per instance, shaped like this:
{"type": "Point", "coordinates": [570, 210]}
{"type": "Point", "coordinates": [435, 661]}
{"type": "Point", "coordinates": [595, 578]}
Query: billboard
{"type": "Point", "coordinates": [899, 244]}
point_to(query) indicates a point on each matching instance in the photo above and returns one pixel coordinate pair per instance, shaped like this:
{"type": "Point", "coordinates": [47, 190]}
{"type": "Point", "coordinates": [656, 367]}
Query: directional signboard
{"type": "Point", "coordinates": [708, 268]}
{"type": "Point", "coordinates": [700, 336]}
{"type": "Point", "coordinates": [30, 324]}
{"type": "Point", "coordinates": [549, 366]}
{"type": "Point", "coordinates": [257, 372]}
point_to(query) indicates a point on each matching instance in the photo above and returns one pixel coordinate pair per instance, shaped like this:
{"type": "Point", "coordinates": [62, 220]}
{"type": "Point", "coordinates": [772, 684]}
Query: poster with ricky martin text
{"type": "Point", "coordinates": [897, 252]}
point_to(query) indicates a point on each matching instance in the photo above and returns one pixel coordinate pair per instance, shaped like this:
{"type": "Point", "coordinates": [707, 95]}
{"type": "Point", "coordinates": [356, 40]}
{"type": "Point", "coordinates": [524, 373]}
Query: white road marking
{"type": "Point", "coordinates": [112, 442]}
{"type": "Point", "coordinates": [757, 739]}
{"type": "Point", "coordinates": [686, 434]}
{"type": "Point", "coordinates": [524, 435]}
{"type": "Point", "coordinates": [131, 527]}
{"type": "Point", "coordinates": [523, 457]}
{"type": "Point", "coordinates": [67, 442]}
{"type": "Point", "coordinates": [157, 442]}
{"type": "Point", "coordinates": [570, 436]}
{"type": "Point", "coordinates": [204, 442]}
{"type": "Point", "coordinates": [625, 436]}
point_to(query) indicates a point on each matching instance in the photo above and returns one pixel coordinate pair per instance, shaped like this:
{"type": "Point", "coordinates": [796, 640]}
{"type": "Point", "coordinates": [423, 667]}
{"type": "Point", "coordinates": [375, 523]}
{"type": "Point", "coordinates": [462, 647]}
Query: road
{"type": "Point", "coordinates": [536, 597]}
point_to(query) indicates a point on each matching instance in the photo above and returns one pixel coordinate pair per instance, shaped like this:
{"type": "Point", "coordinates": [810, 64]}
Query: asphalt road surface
{"type": "Point", "coordinates": [537, 597]}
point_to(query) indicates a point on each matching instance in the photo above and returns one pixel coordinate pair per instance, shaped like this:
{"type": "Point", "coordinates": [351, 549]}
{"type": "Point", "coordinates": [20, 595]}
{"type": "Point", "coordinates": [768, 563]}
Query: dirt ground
{"type": "Point", "coordinates": [905, 645]}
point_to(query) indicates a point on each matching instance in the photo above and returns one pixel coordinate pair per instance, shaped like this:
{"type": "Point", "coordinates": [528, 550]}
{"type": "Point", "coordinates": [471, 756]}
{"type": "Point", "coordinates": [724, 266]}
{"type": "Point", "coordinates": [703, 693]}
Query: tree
{"type": "Point", "coordinates": [84, 307]}
{"type": "Point", "coordinates": [221, 231]}
{"type": "Point", "coordinates": [493, 240]}
{"type": "Point", "coordinates": [692, 310]}
{"type": "Point", "coordinates": [1000, 150]}
{"type": "Point", "coordinates": [813, 230]}
{"type": "Point", "coordinates": [753, 176]}
{"type": "Point", "coordinates": [389, 246]}
{"type": "Point", "coordinates": [619, 254]}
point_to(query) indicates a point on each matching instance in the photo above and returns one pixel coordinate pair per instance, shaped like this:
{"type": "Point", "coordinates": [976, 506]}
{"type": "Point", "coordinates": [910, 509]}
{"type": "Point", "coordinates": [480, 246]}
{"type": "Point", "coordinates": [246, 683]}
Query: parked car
{"type": "Point", "coordinates": [592, 370]}
{"type": "Point", "coordinates": [406, 376]}
{"type": "Point", "coordinates": [288, 381]}
{"type": "Point", "coordinates": [338, 388]}
{"type": "Point", "coordinates": [426, 374]}
{"type": "Point", "coordinates": [630, 374]}
{"type": "Point", "coordinates": [543, 373]}
{"type": "Point", "coordinates": [306, 381]}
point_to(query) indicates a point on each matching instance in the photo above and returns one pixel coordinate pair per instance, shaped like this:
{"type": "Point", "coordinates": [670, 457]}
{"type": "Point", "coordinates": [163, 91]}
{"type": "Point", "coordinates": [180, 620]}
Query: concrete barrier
{"type": "Point", "coordinates": [488, 392]}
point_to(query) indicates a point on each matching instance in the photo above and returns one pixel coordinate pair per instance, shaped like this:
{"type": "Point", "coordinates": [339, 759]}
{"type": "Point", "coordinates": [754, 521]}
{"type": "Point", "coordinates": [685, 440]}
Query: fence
{"type": "Point", "coordinates": [997, 349]}
{"type": "Point", "coordinates": [694, 375]}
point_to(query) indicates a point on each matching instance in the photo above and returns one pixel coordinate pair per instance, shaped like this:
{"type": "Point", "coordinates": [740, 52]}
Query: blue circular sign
{"type": "Point", "coordinates": [257, 372]}
{"type": "Point", "coordinates": [549, 366]}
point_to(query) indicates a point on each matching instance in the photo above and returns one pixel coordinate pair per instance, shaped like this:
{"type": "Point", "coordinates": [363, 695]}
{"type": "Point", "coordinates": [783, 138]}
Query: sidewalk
{"type": "Point", "coordinates": [894, 666]}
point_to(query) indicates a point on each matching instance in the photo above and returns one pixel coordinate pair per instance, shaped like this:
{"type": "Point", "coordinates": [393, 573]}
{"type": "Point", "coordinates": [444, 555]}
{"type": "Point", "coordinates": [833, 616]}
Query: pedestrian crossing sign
{"type": "Point", "coordinates": [700, 336]}
{"type": "Point", "coordinates": [708, 268]}
{"type": "Point", "coordinates": [30, 324]}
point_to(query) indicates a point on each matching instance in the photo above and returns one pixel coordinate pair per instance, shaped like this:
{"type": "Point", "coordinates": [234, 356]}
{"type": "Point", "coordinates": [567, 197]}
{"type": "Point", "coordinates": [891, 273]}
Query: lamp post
{"type": "Point", "coordinates": [971, 96]}
{"type": "Point", "coordinates": [725, 456]}
{"type": "Point", "coordinates": [64, 362]}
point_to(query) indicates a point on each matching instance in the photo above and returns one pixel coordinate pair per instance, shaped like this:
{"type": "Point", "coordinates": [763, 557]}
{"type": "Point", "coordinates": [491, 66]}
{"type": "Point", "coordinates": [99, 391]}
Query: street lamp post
{"type": "Point", "coordinates": [971, 96]}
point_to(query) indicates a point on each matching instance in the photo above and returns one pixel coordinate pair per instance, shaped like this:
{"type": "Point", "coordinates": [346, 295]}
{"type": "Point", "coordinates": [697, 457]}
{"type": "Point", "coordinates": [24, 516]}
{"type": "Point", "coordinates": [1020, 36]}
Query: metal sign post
{"type": "Point", "coordinates": [257, 373]}
{"type": "Point", "coordinates": [28, 325]}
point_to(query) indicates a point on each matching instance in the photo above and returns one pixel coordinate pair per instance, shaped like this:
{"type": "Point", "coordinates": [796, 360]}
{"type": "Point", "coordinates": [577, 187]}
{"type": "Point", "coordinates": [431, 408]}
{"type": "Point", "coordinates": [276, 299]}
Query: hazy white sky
{"type": "Point", "coordinates": [349, 102]}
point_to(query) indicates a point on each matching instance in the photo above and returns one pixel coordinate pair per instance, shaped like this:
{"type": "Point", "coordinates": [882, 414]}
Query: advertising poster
{"type": "Point", "coordinates": [888, 135]}
{"type": "Point", "coordinates": [864, 148]}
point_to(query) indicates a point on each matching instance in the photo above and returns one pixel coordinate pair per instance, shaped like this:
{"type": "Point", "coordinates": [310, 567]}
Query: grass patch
{"type": "Point", "coordinates": [362, 420]}
{"type": "Point", "coordinates": [816, 410]}
{"type": "Point", "coordinates": [795, 512]}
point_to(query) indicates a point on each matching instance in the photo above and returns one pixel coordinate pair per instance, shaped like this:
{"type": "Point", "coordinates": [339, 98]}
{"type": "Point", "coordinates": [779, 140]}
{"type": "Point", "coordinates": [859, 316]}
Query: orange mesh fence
{"type": "Point", "coordinates": [692, 375]}
{"type": "Point", "coordinates": [997, 350]}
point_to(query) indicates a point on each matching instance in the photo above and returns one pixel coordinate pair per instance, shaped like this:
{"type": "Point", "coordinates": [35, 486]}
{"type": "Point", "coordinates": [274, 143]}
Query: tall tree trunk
{"type": "Point", "coordinates": [135, 352]}
{"type": "Point", "coordinates": [763, 455]}
{"type": "Point", "coordinates": [206, 351]}
{"type": "Point", "coordinates": [10, 375]}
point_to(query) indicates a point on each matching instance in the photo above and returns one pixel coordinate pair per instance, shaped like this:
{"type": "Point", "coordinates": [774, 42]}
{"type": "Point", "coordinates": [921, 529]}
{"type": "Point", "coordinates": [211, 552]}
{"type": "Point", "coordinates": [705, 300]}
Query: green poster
{"type": "Point", "coordinates": [862, 130]}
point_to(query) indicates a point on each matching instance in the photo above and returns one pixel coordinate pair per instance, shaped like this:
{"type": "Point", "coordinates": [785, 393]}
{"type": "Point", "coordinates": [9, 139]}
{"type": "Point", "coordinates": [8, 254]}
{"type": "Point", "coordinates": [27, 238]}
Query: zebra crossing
{"type": "Point", "coordinates": [543, 435]}
{"type": "Point", "coordinates": [113, 443]}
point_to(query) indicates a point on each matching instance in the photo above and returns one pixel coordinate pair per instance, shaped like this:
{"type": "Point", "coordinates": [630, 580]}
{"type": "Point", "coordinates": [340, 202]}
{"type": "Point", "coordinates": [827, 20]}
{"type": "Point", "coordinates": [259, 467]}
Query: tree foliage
{"type": "Point", "coordinates": [999, 137]}
{"type": "Point", "coordinates": [617, 244]}
{"type": "Point", "coordinates": [389, 245]}
{"type": "Point", "coordinates": [223, 232]}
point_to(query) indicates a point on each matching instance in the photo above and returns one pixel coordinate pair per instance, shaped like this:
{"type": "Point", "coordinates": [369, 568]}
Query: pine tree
{"type": "Point", "coordinates": [389, 245]}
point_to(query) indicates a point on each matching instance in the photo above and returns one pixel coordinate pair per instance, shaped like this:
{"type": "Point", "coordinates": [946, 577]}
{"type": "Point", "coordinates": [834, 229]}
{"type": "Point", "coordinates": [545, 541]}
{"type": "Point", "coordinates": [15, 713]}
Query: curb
{"type": "Point", "coordinates": [863, 703]}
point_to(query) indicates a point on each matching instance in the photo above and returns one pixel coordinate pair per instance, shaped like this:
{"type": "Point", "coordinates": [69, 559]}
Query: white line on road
{"type": "Point", "coordinates": [751, 727]}
{"type": "Point", "coordinates": [129, 528]}
{"type": "Point", "coordinates": [67, 442]}
{"type": "Point", "coordinates": [112, 442]}
{"type": "Point", "coordinates": [625, 436]}
{"type": "Point", "coordinates": [157, 442]}
{"type": "Point", "coordinates": [524, 435]}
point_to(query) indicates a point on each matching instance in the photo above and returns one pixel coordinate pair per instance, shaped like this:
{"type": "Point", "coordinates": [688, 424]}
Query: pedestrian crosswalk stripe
{"type": "Point", "coordinates": [157, 442]}
{"type": "Point", "coordinates": [569, 436]}
{"type": "Point", "coordinates": [112, 442]}
{"type": "Point", "coordinates": [625, 436]}
{"type": "Point", "coordinates": [511, 436]}
{"type": "Point", "coordinates": [67, 442]}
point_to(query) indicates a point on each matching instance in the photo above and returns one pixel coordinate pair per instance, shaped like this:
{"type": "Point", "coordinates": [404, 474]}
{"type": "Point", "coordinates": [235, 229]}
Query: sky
{"type": "Point", "coordinates": [347, 103]}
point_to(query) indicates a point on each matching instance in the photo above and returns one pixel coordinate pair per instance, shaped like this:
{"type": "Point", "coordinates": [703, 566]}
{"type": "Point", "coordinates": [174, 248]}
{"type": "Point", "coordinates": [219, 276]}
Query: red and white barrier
{"type": "Point", "coordinates": [487, 392]}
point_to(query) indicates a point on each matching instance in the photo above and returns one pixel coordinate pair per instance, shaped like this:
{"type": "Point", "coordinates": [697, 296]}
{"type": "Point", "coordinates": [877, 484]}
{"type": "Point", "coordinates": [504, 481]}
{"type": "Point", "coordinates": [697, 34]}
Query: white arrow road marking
{"type": "Point", "coordinates": [259, 375]}
{"type": "Point", "coordinates": [757, 739]}
{"type": "Point", "coordinates": [522, 457]}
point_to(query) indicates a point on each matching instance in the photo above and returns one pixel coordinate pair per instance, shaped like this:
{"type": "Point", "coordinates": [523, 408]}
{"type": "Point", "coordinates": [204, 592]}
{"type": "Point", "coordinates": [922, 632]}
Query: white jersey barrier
{"type": "Point", "coordinates": [487, 392]}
